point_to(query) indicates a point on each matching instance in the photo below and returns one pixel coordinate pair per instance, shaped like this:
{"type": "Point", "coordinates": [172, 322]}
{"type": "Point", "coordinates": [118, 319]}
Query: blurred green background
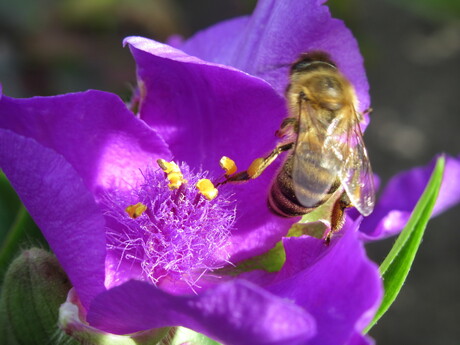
{"type": "Point", "coordinates": [412, 54]}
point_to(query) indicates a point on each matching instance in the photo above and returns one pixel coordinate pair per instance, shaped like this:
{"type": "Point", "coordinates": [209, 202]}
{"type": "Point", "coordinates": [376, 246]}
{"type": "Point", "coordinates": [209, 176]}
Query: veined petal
{"type": "Point", "coordinates": [93, 130]}
{"type": "Point", "coordinates": [206, 111]}
{"type": "Point", "coordinates": [203, 110]}
{"type": "Point", "coordinates": [235, 312]}
{"type": "Point", "coordinates": [69, 147]}
{"type": "Point", "coordinates": [337, 284]}
{"type": "Point", "coordinates": [61, 205]}
{"type": "Point", "coordinates": [401, 194]}
{"type": "Point", "coordinates": [266, 43]}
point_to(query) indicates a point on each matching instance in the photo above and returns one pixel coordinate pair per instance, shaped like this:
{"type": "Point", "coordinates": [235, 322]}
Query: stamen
{"type": "Point", "coordinates": [175, 180]}
{"type": "Point", "coordinates": [168, 167]}
{"type": "Point", "coordinates": [207, 189]}
{"type": "Point", "coordinates": [175, 239]}
{"type": "Point", "coordinates": [228, 165]}
{"type": "Point", "coordinates": [135, 211]}
{"type": "Point", "coordinates": [173, 173]}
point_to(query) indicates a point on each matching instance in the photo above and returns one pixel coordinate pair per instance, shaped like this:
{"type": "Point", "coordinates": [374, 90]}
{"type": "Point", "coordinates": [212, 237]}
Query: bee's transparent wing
{"type": "Point", "coordinates": [356, 174]}
{"type": "Point", "coordinates": [314, 167]}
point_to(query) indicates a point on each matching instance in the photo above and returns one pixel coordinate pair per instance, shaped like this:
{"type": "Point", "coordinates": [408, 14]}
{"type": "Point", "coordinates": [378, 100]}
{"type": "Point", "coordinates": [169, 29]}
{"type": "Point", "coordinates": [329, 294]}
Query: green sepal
{"type": "Point", "coordinates": [395, 268]}
{"type": "Point", "coordinates": [271, 261]}
{"type": "Point", "coordinates": [182, 335]}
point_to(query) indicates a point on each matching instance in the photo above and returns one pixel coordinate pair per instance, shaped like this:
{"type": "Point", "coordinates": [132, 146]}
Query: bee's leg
{"type": "Point", "coordinates": [258, 166]}
{"type": "Point", "coordinates": [287, 124]}
{"type": "Point", "coordinates": [338, 215]}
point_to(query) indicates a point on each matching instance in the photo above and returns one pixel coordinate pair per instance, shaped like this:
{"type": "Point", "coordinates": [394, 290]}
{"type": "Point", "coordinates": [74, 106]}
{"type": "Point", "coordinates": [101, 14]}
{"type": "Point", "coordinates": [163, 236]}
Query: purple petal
{"type": "Point", "coordinates": [257, 229]}
{"type": "Point", "coordinates": [93, 130]}
{"type": "Point", "coordinates": [449, 193]}
{"type": "Point", "coordinates": [62, 206]}
{"type": "Point", "coordinates": [401, 194]}
{"type": "Point", "coordinates": [220, 42]}
{"type": "Point", "coordinates": [73, 145]}
{"type": "Point", "coordinates": [337, 284]}
{"type": "Point", "coordinates": [206, 111]}
{"type": "Point", "coordinates": [236, 312]}
{"type": "Point", "coordinates": [275, 35]}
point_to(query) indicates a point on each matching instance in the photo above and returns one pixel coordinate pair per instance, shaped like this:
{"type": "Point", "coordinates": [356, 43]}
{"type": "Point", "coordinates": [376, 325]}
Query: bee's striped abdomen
{"type": "Point", "coordinates": [282, 198]}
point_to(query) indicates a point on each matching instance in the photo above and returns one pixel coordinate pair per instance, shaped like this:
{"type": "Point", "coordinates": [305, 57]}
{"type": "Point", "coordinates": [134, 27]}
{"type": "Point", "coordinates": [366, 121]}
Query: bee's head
{"type": "Point", "coordinates": [311, 61]}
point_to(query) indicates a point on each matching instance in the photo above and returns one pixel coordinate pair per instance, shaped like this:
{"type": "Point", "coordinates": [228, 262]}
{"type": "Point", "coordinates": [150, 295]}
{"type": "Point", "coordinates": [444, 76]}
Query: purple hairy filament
{"type": "Point", "coordinates": [172, 236]}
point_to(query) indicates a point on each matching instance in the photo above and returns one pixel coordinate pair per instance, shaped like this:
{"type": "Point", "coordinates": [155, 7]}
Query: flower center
{"type": "Point", "coordinates": [172, 227]}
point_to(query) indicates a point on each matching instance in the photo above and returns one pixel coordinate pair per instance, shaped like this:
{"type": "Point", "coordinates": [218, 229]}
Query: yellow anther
{"type": "Point", "coordinates": [175, 180]}
{"type": "Point", "coordinates": [173, 173]}
{"type": "Point", "coordinates": [168, 167]}
{"type": "Point", "coordinates": [254, 169]}
{"type": "Point", "coordinates": [228, 165]}
{"type": "Point", "coordinates": [135, 211]}
{"type": "Point", "coordinates": [207, 189]}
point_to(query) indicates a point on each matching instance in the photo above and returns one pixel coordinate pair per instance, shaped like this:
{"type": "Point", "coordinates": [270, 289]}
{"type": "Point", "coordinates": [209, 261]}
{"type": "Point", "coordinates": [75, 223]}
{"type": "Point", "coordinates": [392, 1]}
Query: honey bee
{"type": "Point", "coordinates": [326, 157]}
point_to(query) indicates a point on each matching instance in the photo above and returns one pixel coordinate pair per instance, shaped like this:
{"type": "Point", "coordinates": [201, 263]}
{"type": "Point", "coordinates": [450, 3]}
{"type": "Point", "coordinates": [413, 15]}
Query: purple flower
{"type": "Point", "coordinates": [401, 194]}
{"type": "Point", "coordinates": [78, 160]}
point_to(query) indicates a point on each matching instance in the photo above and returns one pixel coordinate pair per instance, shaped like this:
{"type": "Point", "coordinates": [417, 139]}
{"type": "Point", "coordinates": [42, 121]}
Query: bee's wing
{"type": "Point", "coordinates": [313, 165]}
{"type": "Point", "coordinates": [356, 173]}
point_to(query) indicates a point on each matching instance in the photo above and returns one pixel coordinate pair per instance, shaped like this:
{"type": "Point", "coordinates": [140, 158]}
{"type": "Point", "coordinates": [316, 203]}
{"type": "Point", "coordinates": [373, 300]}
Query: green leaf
{"type": "Point", "coordinates": [395, 268]}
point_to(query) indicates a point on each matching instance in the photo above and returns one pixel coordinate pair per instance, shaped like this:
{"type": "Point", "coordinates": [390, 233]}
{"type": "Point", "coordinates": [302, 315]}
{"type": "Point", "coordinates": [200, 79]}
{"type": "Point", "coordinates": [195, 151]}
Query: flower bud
{"type": "Point", "coordinates": [34, 287]}
{"type": "Point", "coordinates": [38, 307]}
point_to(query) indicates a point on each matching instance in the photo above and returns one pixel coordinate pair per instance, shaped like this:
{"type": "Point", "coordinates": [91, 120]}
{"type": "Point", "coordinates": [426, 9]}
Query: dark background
{"type": "Point", "coordinates": [412, 54]}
